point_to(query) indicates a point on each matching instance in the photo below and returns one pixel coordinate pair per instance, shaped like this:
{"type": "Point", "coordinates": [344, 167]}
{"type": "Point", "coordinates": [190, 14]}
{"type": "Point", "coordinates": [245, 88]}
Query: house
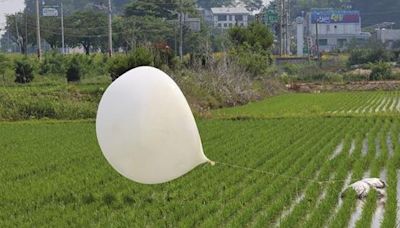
{"type": "Point", "coordinates": [206, 15]}
{"type": "Point", "coordinates": [388, 36]}
{"type": "Point", "coordinates": [334, 28]}
{"type": "Point", "coordinates": [193, 23]}
{"type": "Point", "coordinates": [225, 18]}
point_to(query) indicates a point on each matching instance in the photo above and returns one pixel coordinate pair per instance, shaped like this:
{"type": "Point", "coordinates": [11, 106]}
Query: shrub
{"type": "Point", "coordinates": [255, 35]}
{"type": "Point", "coordinates": [74, 71]}
{"type": "Point", "coordinates": [4, 65]}
{"type": "Point", "coordinates": [333, 77]}
{"type": "Point", "coordinates": [23, 71]}
{"type": "Point", "coordinates": [292, 69]}
{"type": "Point", "coordinates": [380, 71]}
{"type": "Point", "coordinates": [53, 63]}
{"type": "Point", "coordinates": [254, 61]}
{"type": "Point", "coordinates": [117, 66]}
{"type": "Point", "coordinates": [308, 72]}
{"type": "Point", "coordinates": [353, 77]}
{"type": "Point", "coordinates": [122, 63]}
{"type": "Point", "coordinates": [368, 55]}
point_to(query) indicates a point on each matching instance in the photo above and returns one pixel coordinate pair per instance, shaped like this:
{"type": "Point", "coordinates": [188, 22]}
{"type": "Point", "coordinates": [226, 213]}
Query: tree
{"type": "Point", "coordinates": [153, 22]}
{"type": "Point", "coordinates": [74, 70]}
{"type": "Point", "coordinates": [134, 31]}
{"type": "Point", "coordinates": [167, 9]}
{"type": "Point", "coordinates": [23, 71]}
{"type": "Point", "coordinates": [51, 31]}
{"type": "Point", "coordinates": [86, 28]}
{"type": "Point", "coordinates": [255, 35]}
{"type": "Point", "coordinates": [207, 4]}
{"type": "Point", "coordinates": [253, 5]}
{"type": "Point", "coordinates": [251, 47]}
{"type": "Point", "coordinates": [21, 29]}
{"type": "Point", "coordinates": [142, 9]}
{"type": "Point", "coordinates": [371, 52]}
{"type": "Point", "coordinates": [380, 71]}
{"type": "Point", "coordinates": [198, 42]}
{"type": "Point", "coordinates": [396, 45]}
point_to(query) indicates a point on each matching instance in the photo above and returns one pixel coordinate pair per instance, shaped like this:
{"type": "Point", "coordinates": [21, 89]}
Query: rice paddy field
{"type": "Point", "coordinates": [381, 103]}
{"type": "Point", "coordinates": [282, 162]}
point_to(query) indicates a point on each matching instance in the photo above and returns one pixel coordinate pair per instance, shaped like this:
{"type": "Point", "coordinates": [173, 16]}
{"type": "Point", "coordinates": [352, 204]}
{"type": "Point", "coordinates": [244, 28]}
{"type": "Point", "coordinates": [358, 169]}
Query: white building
{"type": "Point", "coordinates": [335, 28]}
{"type": "Point", "coordinates": [388, 36]}
{"type": "Point", "coordinates": [193, 23]}
{"type": "Point", "coordinates": [228, 17]}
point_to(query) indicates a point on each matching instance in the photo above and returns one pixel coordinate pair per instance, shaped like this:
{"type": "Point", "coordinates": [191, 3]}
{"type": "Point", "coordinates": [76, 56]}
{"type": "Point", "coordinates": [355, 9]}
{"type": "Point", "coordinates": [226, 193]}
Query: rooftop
{"type": "Point", "coordinates": [226, 10]}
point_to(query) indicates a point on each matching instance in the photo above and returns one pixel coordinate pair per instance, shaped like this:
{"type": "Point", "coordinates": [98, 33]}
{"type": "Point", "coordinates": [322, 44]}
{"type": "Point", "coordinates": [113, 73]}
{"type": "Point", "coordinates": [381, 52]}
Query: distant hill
{"type": "Point", "coordinates": [378, 11]}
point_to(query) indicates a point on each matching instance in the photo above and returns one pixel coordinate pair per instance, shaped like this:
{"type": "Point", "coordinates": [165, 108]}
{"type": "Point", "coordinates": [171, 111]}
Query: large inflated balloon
{"type": "Point", "coordinates": [146, 129]}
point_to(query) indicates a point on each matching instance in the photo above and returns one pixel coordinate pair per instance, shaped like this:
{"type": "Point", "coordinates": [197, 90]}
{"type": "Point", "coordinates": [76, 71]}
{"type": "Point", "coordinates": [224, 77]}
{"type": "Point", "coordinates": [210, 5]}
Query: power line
{"type": "Point", "coordinates": [74, 34]}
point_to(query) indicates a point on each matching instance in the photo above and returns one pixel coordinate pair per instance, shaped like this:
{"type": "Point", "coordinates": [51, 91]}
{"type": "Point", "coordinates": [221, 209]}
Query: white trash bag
{"type": "Point", "coordinates": [364, 186]}
{"type": "Point", "coordinates": [146, 129]}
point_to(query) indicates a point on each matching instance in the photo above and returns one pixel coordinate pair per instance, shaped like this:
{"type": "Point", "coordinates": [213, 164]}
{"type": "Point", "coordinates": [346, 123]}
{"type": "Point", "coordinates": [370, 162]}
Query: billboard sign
{"type": "Point", "coordinates": [50, 12]}
{"type": "Point", "coordinates": [335, 16]}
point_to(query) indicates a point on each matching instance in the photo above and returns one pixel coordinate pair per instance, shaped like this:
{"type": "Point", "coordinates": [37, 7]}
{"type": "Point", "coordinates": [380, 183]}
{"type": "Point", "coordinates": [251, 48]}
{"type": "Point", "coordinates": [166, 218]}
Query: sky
{"type": "Point", "coordinates": [9, 7]}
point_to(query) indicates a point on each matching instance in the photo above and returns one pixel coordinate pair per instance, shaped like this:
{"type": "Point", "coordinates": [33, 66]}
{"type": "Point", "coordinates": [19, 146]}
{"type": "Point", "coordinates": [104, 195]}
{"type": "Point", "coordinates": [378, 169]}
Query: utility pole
{"type": "Point", "coordinates": [284, 26]}
{"type": "Point", "coordinates": [284, 6]}
{"type": "Point", "coordinates": [62, 29]}
{"type": "Point", "coordinates": [110, 47]}
{"type": "Point", "coordinates": [181, 31]}
{"type": "Point", "coordinates": [39, 50]}
{"type": "Point", "coordinates": [175, 38]}
{"type": "Point", "coordinates": [317, 39]}
{"type": "Point", "coordinates": [26, 32]}
{"type": "Point", "coordinates": [281, 7]}
{"type": "Point", "coordinates": [287, 27]}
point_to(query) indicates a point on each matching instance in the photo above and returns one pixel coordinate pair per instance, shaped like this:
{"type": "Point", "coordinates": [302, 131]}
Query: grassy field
{"type": "Point", "coordinates": [381, 103]}
{"type": "Point", "coordinates": [300, 151]}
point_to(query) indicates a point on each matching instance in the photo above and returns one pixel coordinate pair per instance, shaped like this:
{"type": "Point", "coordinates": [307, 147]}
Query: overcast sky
{"type": "Point", "coordinates": [9, 7]}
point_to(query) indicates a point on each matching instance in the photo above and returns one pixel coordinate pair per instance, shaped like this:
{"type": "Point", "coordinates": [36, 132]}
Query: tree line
{"type": "Point", "coordinates": [135, 23]}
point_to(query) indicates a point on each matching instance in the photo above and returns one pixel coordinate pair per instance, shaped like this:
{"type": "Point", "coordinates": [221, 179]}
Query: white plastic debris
{"type": "Point", "coordinates": [375, 182]}
{"type": "Point", "coordinates": [146, 129]}
{"type": "Point", "coordinates": [364, 186]}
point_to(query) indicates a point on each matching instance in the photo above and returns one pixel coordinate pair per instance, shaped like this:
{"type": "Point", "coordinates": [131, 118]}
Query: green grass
{"type": "Point", "coordinates": [79, 101]}
{"type": "Point", "coordinates": [54, 174]}
{"type": "Point", "coordinates": [323, 104]}
{"type": "Point", "coordinates": [50, 102]}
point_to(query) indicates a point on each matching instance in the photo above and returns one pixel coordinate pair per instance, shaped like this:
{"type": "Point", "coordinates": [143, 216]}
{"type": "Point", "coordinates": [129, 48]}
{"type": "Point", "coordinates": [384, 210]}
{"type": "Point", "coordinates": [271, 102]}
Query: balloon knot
{"type": "Point", "coordinates": [211, 162]}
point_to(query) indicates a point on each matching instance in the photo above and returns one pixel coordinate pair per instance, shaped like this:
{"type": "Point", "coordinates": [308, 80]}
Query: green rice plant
{"type": "Point", "coordinates": [337, 169]}
{"type": "Point", "coordinates": [368, 210]}
{"type": "Point", "coordinates": [53, 172]}
{"type": "Point", "coordinates": [323, 104]}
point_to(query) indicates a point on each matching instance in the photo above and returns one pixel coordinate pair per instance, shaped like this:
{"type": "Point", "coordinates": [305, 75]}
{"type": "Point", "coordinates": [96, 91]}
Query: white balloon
{"type": "Point", "coordinates": [146, 129]}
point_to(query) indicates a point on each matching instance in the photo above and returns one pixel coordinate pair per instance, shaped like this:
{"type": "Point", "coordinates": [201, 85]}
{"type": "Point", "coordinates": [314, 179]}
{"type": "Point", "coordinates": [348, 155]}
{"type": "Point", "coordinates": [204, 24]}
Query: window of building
{"type": "Point", "coordinates": [323, 42]}
{"type": "Point", "coordinates": [230, 25]}
{"type": "Point", "coordinates": [219, 25]}
{"type": "Point", "coordinates": [225, 25]}
{"type": "Point", "coordinates": [221, 17]}
{"type": "Point", "coordinates": [239, 17]}
{"type": "Point", "coordinates": [229, 17]}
